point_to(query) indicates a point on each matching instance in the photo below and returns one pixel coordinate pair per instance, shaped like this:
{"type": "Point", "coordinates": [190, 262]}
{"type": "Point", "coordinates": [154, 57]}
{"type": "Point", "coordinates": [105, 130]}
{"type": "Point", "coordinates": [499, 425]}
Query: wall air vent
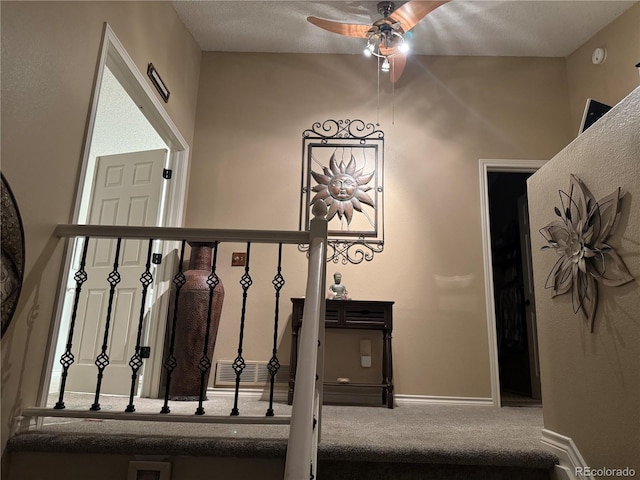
{"type": "Point", "coordinates": [254, 374]}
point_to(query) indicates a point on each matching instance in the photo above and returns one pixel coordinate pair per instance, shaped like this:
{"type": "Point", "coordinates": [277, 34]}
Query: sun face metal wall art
{"type": "Point", "coordinates": [343, 166]}
{"type": "Point", "coordinates": [579, 240]}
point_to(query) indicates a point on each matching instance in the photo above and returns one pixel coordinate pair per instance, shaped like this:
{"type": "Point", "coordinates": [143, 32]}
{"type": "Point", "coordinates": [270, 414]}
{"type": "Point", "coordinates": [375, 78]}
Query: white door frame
{"type": "Point", "coordinates": [114, 55]}
{"type": "Point", "coordinates": [486, 166]}
{"type": "Point", "coordinates": [135, 83]}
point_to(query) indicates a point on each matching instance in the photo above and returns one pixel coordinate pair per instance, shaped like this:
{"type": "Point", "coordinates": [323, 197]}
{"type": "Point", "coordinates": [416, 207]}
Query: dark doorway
{"type": "Point", "coordinates": [513, 289]}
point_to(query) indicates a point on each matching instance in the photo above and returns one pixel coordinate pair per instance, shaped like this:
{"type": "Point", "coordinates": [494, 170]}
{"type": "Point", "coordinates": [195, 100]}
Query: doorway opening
{"type": "Point", "coordinates": [128, 131]}
{"type": "Point", "coordinates": [512, 289]}
{"type": "Point", "coordinates": [511, 320]}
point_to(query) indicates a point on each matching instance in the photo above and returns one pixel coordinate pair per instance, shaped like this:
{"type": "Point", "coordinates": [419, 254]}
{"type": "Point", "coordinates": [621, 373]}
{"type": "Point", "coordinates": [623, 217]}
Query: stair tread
{"type": "Point", "coordinates": [68, 442]}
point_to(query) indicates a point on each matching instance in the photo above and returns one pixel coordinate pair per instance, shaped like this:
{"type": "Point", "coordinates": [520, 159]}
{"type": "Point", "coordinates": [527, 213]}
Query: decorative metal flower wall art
{"type": "Point", "coordinates": [579, 238]}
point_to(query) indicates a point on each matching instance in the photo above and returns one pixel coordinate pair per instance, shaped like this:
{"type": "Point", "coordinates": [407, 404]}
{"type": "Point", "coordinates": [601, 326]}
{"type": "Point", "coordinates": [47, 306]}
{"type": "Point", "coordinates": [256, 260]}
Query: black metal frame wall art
{"type": "Point", "coordinates": [579, 237]}
{"type": "Point", "coordinates": [12, 255]}
{"type": "Point", "coordinates": [343, 165]}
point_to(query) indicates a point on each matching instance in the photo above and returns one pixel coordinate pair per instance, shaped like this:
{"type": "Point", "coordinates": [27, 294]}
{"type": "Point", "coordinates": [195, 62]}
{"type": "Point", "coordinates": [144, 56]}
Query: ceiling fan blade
{"type": "Point", "coordinates": [413, 11]}
{"type": "Point", "coordinates": [348, 29]}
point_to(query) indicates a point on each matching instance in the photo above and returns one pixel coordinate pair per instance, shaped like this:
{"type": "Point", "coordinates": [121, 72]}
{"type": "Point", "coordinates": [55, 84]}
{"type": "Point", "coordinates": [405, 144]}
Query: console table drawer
{"type": "Point", "coordinates": [358, 316]}
{"type": "Point", "coordinates": [331, 316]}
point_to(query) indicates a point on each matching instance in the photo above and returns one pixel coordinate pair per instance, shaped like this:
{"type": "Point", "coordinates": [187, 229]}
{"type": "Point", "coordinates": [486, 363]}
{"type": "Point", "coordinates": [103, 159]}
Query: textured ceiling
{"type": "Point", "coordinates": [552, 28]}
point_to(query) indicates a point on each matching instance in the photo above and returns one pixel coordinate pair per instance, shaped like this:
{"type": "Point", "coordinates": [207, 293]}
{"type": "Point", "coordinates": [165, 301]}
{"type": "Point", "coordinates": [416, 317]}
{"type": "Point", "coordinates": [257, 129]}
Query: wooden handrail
{"type": "Point", "coordinates": [183, 233]}
{"type": "Point", "coordinates": [35, 412]}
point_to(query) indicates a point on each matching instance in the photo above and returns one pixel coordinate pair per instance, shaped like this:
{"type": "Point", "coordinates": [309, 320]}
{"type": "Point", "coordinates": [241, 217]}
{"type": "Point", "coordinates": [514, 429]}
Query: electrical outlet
{"type": "Point", "coordinates": [365, 353]}
{"type": "Point", "coordinates": [238, 259]}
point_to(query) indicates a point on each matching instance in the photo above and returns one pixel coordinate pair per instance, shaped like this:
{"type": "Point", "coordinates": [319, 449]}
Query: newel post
{"type": "Point", "coordinates": [303, 436]}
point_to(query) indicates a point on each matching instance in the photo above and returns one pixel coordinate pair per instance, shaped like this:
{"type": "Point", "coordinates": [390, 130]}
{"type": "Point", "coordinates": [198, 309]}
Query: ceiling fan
{"type": "Point", "coordinates": [385, 38]}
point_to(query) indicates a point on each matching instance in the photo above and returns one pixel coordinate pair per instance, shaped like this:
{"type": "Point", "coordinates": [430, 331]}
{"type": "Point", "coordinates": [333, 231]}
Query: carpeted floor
{"type": "Point", "coordinates": [510, 399]}
{"type": "Point", "coordinates": [407, 433]}
{"type": "Point", "coordinates": [409, 442]}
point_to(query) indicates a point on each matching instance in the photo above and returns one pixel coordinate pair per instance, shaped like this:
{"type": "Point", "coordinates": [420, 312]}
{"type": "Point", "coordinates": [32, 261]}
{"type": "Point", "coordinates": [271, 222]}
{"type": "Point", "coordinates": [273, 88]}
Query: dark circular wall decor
{"type": "Point", "coordinates": [12, 270]}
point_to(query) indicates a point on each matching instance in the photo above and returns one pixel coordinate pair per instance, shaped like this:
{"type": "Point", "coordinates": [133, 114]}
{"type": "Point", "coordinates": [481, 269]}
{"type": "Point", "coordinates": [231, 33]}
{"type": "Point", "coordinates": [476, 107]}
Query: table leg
{"type": "Point", "coordinates": [388, 366]}
{"type": "Point", "coordinates": [293, 361]}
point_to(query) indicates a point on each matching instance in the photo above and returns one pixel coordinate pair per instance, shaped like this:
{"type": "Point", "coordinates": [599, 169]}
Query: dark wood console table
{"type": "Point", "coordinates": [351, 314]}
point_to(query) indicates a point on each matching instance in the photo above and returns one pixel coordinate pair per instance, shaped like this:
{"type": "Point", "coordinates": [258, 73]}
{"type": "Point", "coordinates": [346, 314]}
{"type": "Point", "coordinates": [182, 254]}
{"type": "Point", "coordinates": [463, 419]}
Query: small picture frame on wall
{"type": "Point", "coordinates": [162, 89]}
{"type": "Point", "coordinates": [144, 470]}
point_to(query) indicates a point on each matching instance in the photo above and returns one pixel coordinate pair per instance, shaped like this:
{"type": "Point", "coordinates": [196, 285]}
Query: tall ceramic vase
{"type": "Point", "coordinates": [193, 309]}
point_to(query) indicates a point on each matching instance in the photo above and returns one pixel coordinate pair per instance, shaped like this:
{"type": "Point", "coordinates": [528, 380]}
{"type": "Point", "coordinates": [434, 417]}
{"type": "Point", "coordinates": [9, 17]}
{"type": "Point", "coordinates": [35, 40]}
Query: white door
{"type": "Point", "coordinates": [127, 190]}
{"type": "Point", "coordinates": [529, 297]}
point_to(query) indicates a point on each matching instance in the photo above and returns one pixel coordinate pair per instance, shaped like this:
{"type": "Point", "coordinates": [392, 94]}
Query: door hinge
{"type": "Point", "coordinates": [166, 173]}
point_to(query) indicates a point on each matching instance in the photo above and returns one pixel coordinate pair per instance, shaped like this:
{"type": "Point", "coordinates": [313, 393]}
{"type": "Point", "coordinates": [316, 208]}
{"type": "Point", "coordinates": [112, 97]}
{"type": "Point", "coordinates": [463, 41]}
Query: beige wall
{"type": "Point", "coordinates": [449, 113]}
{"type": "Point", "coordinates": [70, 466]}
{"type": "Point", "coordinates": [252, 109]}
{"type": "Point", "coordinates": [49, 57]}
{"type": "Point", "coordinates": [591, 381]}
{"type": "Point", "coordinates": [612, 80]}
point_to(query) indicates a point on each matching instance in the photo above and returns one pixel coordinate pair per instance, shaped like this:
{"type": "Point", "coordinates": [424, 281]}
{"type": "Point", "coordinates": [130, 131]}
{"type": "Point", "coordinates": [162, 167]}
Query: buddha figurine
{"type": "Point", "coordinates": [337, 291]}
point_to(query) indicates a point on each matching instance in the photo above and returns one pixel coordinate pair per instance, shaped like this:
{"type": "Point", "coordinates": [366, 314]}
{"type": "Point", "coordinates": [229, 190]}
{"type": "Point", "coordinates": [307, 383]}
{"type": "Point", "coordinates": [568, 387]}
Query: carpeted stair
{"type": "Point", "coordinates": [336, 462]}
{"type": "Point", "coordinates": [368, 443]}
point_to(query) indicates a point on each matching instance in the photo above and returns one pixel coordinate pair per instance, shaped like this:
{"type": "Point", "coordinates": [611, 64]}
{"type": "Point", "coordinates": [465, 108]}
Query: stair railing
{"type": "Point", "coordinates": [305, 415]}
{"type": "Point", "coordinates": [304, 433]}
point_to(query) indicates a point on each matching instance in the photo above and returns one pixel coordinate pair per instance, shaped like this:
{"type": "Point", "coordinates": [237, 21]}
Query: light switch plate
{"type": "Point", "coordinates": [238, 259]}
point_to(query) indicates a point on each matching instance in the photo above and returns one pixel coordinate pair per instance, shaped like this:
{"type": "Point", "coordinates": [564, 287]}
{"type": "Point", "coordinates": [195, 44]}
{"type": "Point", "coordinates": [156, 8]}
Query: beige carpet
{"type": "Point", "coordinates": [406, 433]}
{"type": "Point", "coordinates": [409, 442]}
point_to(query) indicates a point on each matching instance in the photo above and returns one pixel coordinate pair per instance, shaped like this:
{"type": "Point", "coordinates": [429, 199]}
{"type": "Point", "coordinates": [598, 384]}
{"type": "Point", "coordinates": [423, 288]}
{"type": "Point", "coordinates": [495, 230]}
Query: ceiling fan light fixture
{"type": "Point", "coordinates": [371, 47]}
{"type": "Point", "coordinates": [385, 38]}
{"type": "Point", "coordinates": [380, 42]}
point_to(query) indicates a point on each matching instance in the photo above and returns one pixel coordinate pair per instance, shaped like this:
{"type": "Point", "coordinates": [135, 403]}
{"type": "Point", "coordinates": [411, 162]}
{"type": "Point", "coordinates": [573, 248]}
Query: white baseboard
{"type": "Point", "coordinates": [442, 400]}
{"type": "Point", "coordinates": [345, 395]}
{"type": "Point", "coordinates": [354, 395]}
{"type": "Point", "coordinates": [571, 462]}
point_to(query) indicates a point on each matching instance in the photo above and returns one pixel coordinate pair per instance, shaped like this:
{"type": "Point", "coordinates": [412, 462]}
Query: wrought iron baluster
{"type": "Point", "coordinates": [274, 364]}
{"type": "Point", "coordinates": [170, 363]}
{"type": "Point", "coordinates": [67, 358]}
{"type": "Point", "coordinates": [102, 360]}
{"type": "Point", "coordinates": [238, 363]}
{"type": "Point", "coordinates": [135, 363]}
{"type": "Point", "coordinates": [205, 362]}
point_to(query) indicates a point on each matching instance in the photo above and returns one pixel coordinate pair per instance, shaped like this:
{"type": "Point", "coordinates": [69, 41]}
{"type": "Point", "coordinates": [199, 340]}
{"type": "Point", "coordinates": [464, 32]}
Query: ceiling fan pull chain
{"type": "Point", "coordinates": [378, 106]}
{"type": "Point", "coordinates": [393, 91]}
